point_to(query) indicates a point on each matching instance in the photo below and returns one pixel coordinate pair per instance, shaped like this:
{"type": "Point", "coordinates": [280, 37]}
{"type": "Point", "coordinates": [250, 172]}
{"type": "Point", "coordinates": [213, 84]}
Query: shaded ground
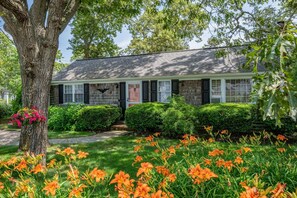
{"type": "Point", "coordinates": [12, 138]}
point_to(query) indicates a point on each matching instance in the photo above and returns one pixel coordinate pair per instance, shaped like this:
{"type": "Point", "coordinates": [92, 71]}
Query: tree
{"type": "Point", "coordinates": [96, 24]}
{"type": "Point", "coordinates": [59, 65]}
{"type": "Point", "coordinates": [9, 65]}
{"type": "Point", "coordinates": [35, 31]}
{"type": "Point", "coordinates": [166, 25]}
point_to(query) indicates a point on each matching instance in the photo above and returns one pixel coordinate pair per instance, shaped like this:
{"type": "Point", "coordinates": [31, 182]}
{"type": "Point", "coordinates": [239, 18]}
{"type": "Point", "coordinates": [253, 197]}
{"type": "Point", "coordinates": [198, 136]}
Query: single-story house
{"type": "Point", "coordinates": [199, 75]}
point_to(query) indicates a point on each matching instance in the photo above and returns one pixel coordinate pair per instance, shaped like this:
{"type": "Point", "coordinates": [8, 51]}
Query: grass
{"type": "Point", "coordinates": [265, 165]}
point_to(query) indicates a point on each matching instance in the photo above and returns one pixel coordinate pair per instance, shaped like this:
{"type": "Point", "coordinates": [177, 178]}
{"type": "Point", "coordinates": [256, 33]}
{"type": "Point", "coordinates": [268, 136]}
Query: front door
{"type": "Point", "coordinates": [133, 93]}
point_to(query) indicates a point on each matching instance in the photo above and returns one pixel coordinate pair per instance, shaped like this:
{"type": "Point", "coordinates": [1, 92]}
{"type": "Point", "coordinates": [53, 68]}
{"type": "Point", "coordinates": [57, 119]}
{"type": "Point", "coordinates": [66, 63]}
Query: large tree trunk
{"type": "Point", "coordinates": [35, 32]}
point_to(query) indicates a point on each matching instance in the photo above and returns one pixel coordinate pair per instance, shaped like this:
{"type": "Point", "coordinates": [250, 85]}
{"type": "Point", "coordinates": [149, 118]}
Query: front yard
{"type": "Point", "coordinates": [253, 166]}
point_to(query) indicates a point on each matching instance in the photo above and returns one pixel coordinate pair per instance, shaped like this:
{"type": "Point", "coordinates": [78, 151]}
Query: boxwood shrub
{"type": "Point", "coordinates": [234, 117]}
{"type": "Point", "coordinates": [5, 110]}
{"type": "Point", "coordinates": [179, 118]}
{"type": "Point", "coordinates": [63, 118]}
{"type": "Point", "coordinates": [145, 117]}
{"type": "Point", "coordinates": [96, 118]}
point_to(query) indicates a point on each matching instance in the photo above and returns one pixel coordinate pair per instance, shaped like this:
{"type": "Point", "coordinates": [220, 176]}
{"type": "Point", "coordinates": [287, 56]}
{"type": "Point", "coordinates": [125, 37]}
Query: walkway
{"type": "Point", "coordinates": [12, 138]}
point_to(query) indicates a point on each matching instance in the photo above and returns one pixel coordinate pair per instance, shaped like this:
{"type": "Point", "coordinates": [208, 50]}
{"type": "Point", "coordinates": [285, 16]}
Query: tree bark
{"type": "Point", "coordinates": [35, 32]}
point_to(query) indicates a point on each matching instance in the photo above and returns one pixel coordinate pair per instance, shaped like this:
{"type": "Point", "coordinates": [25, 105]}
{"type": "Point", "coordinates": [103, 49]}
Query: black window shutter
{"type": "Point", "coordinates": [123, 96]}
{"type": "Point", "coordinates": [145, 91]}
{"type": "Point", "coordinates": [205, 91]}
{"type": "Point", "coordinates": [154, 90]}
{"type": "Point", "coordinates": [61, 94]}
{"type": "Point", "coordinates": [174, 87]}
{"type": "Point", "coordinates": [86, 93]}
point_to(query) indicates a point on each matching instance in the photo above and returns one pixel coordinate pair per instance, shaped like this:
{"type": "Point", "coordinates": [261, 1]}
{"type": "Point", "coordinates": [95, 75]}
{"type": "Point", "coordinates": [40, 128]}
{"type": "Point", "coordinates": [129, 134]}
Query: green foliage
{"type": "Point", "coordinates": [5, 109]}
{"type": "Point", "coordinates": [145, 116]}
{"type": "Point", "coordinates": [233, 117]}
{"type": "Point", "coordinates": [62, 118]}
{"type": "Point", "coordinates": [96, 25]}
{"type": "Point", "coordinates": [59, 65]}
{"type": "Point", "coordinates": [179, 118]}
{"type": "Point", "coordinates": [10, 78]}
{"type": "Point", "coordinates": [97, 118]}
{"type": "Point", "coordinates": [166, 26]}
{"type": "Point", "coordinates": [276, 90]}
{"type": "Point", "coordinates": [16, 103]}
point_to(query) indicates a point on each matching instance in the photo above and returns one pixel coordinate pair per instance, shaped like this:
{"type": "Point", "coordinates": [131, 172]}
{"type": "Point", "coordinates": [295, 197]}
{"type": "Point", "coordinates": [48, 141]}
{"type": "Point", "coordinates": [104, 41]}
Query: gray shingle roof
{"type": "Point", "coordinates": [179, 63]}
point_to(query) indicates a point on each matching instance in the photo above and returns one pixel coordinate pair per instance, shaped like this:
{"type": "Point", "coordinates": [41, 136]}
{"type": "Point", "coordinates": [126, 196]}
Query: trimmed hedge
{"type": "Point", "coordinates": [63, 118]}
{"type": "Point", "coordinates": [96, 118]}
{"type": "Point", "coordinates": [145, 116]}
{"type": "Point", "coordinates": [5, 110]}
{"type": "Point", "coordinates": [234, 117]}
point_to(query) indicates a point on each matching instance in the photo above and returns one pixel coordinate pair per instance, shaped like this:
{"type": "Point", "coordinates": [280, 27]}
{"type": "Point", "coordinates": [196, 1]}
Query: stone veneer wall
{"type": "Point", "coordinates": [191, 90]}
{"type": "Point", "coordinates": [54, 95]}
{"type": "Point", "coordinates": [111, 96]}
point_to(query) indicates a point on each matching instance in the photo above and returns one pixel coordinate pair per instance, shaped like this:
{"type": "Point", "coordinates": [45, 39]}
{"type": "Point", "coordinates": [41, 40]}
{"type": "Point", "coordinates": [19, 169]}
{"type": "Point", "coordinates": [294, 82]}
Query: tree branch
{"type": "Point", "coordinates": [69, 11]}
{"type": "Point", "coordinates": [38, 12]}
{"type": "Point", "coordinates": [18, 8]}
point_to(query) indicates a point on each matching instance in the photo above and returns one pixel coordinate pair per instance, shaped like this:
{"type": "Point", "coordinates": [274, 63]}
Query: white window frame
{"type": "Point", "coordinates": [223, 85]}
{"type": "Point", "coordinates": [158, 89]}
{"type": "Point", "coordinates": [73, 93]}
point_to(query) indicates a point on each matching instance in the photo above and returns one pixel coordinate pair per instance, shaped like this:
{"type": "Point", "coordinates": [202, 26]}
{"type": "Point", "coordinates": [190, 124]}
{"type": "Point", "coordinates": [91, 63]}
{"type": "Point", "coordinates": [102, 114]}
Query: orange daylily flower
{"type": "Point", "coordinates": [208, 128]}
{"type": "Point", "coordinates": [281, 150]}
{"type": "Point", "coordinates": [215, 152]}
{"type": "Point", "coordinates": [220, 162]}
{"type": "Point", "coordinates": [251, 193]}
{"type": "Point", "coordinates": [51, 187]}
{"type": "Point", "coordinates": [239, 151]}
{"type": "Point", "coordinates": [149, 138]}
{"type": "Point", "coordinates": [159, 194]}
{"type": "Point", "coordinates": [11, 161]}
{"type": "Point", "coordinates": [201, 175]}
{"type": "Point", "coordinates": [207, 162]}
{"type": "Point", "coordinates": [52, 163]}
{"type": "Point", "coordinates": [279, 190]}
{"type": "Point", "coordinates": [145, 168]}
{"type": "Point", "coordinates": [137, 148]}
{"type": "Point", "coordinates": [184, 142]}
{"type": "Point", "coordinates": [96, 174]}
{"type": "Point", "coordinates": [228, 165]}
{"type": "Point", "coordinates": [281, 137]}
{"type": "Point", "coordinates": [211, 140]}
{"type": "Point", "coordinates": [76, 192]}
{"type": "Point", "coordinates": [157, 151]}
{"type": "Point", "coordinates": [224, 132]}
{"type": "Point", "coordinates": [142, 190]}
{"type": "Point", "coordinates": [172, 177]}
{"type": "Point", "coordinates": [137, 159]}
{"type": "Point", "coordinates": [171, 150]}
{"type": "Point", "coordinates": [138, 141]}
{"type": "Point", "coordinates": [82, 154]}
{"type": "Point", "coordinates": [153, 143]}
{"type": "Point", "coordinates": [244, 169]}
{"type": "Point", "coordinates": [37, 169]}
{"type": "Point", "coordinates": [162, 170]}
{"type": "Point", "coordinates": [22, 165]}
{"type": "Point", "coordinates": [185, 136]}
{"type": "Point", "coordinates": [68, 151]}
{"type": "Point", "coordinates": [247, 149]}
{"type": "Point", "coordinates": [120, 178]}
{"type": "Point", "coordinates": [1, 185]}
{"type": "Point", "coordinates": [238, 160]}
{"type": "Point", "coordinates": [193, 138]}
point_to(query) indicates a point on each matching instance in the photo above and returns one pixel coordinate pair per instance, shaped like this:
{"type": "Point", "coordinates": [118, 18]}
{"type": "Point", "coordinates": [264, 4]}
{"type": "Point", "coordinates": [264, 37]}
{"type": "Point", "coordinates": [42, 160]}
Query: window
{"type": "Point", "coordinates": [216, 92]}
{"type": "Point", "coordinates": [74, 93]}
{"type": "Point", "coordinates": [164, 91]}
{"type": "Point", "coordinates": [238, 90]}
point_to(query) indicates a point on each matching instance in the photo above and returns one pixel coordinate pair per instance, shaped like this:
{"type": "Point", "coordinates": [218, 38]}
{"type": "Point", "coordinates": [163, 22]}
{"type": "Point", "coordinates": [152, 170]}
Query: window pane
{"type": "Point", "coordinates": [79, 98]}
{"type": "Point", "coordinates": [68, 89]}
{"type": "Point", "coordinates": [78, 89]}
{"type": "Point", "coordinates": [67, 98]}
{"type": "Point", "coordinates": [238, 90]}
{"type": "Point", "coordinates": [164, 91]}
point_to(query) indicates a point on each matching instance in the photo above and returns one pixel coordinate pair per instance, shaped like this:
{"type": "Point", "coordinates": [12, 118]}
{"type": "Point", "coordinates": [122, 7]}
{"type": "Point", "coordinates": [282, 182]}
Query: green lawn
{"type": "Point", "coordinates": [263, 167]}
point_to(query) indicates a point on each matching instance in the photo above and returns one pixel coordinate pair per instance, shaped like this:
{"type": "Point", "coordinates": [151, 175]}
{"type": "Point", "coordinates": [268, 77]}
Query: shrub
{"type": "Point", "coordinates": [5, 110]}
{"type": "Point", "coordinates": [179, 118]}
{"type": "Point", "coordinates": [145, 116]}
{"type": "Point", "coordinates": [96, 118]}
{"type": "Point", "coordinates": [62, 118]}
{"type": "Point", "coordinates": [233, 117]}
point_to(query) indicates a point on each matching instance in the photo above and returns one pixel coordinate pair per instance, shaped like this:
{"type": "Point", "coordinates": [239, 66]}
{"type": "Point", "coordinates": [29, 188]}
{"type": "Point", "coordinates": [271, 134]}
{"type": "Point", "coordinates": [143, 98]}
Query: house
{"type": "Point", "coordinates": [199, 75]}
